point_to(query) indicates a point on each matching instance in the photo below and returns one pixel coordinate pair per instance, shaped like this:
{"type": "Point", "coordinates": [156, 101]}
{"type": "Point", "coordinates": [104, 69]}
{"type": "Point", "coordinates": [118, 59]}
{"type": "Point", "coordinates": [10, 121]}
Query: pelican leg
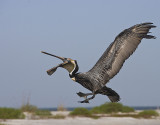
{"type": "Point", "coordinates": [80, 94]}
{"type": "Point", "coordinates": [85, 96]}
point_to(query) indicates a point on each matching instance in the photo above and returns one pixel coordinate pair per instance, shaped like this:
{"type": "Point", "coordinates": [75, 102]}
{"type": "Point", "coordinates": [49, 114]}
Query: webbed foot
{"type": "Point", "coordinates": [80, 94]}
{"type": "Point", "coordinates": [85, 96]}
{"type": "Point", "coordinates": [84, 101]}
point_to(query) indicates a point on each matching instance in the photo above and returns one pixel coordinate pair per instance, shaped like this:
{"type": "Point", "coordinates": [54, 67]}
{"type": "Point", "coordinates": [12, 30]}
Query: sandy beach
{"type": "Point", "coordinates": [84, 121]}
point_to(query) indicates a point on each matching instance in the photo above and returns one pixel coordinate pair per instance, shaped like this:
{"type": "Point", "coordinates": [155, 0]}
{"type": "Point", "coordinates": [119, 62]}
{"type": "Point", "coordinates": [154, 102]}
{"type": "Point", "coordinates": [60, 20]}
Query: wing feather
{"type": "Point", "coordinates": [123, 46]}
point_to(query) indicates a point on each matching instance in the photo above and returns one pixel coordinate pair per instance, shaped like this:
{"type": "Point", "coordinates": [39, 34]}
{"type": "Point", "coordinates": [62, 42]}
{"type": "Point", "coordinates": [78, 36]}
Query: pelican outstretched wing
{"type": "Point", "coordinates": [123, 46]}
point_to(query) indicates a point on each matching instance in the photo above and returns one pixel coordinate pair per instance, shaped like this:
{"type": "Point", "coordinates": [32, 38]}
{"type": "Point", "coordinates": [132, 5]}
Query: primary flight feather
{"type": "Point", "coordinates": [109, 63]}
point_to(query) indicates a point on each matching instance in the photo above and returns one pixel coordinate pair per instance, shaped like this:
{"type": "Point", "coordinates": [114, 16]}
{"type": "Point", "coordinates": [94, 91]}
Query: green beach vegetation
{"type": "Point", "coordinates": [107, 109]}
{"type": "Point", "coordinates": [40, 113]}
{"type": "Point", "coordinates": [148, 114]}
{"type": "Point", "coordinates": [35, 111]}
{"type": "Point", "coordinates": [11, 113]}
{"type": "Point", "coordinates": [2, 124]}
{"type": "Point", "coordinates": [43, 113]}
{"type": "Point", "coordinates": [83, 112]}
{"type": "Point", "coordinates": [28, 108]}
{"type": "Point", "coordinates": [58, 116]}
{"type": "Point", "coordinates": [113, 110]}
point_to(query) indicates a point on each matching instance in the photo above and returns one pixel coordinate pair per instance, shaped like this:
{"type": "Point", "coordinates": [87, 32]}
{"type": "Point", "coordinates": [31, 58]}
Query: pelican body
{"type": "Point", "coordinates": [108, 65]}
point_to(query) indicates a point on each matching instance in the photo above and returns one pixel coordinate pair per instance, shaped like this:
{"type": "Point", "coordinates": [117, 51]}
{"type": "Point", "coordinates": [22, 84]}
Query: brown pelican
{"type": "Point", "coordinates": [109, 63]}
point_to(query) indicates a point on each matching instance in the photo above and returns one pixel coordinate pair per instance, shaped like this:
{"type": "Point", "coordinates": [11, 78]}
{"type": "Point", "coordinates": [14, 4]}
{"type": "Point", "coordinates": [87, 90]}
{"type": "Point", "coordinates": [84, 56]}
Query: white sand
{"type": "Point", "coordinates": [65, 113]}
{"type": "Point", "coordinates": [86, 121]}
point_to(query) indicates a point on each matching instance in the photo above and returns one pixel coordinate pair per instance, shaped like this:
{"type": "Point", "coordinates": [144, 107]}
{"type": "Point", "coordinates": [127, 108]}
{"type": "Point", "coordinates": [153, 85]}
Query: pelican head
{"type": "Point", "coordinates": [69, 64]}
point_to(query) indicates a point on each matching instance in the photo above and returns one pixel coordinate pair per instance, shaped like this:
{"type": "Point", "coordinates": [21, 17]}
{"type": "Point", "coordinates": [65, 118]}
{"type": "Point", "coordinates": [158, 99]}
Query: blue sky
{"type": "Point", "coordinates": [80, 30]}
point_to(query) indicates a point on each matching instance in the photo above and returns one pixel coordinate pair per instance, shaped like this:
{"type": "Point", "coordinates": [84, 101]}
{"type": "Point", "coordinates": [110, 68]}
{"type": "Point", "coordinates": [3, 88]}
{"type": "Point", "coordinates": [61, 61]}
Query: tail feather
{"type": "Point", "coordinates": [112, 95]}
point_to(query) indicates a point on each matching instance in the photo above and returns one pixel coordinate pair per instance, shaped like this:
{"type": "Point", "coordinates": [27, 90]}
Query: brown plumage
{"type": "Point", "coordinates": [109, 63]}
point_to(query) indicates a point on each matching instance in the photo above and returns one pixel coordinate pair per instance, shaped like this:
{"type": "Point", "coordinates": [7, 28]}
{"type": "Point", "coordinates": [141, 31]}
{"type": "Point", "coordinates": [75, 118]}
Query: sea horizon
{"type": "Point", "coordinates": [72, 108]}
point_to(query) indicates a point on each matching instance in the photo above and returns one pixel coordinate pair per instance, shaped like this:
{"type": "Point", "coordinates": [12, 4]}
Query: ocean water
{"type": "Point", "coordinates": [135, 107]}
